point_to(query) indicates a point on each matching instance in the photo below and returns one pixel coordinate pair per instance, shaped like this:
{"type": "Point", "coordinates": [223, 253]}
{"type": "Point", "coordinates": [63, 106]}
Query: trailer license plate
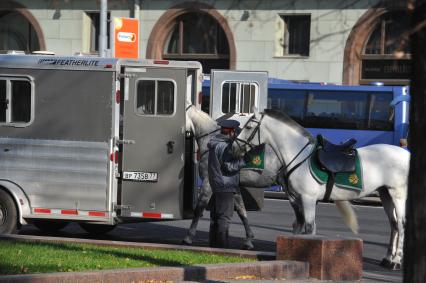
{"type": "Point", "coordinates": [141, 176]}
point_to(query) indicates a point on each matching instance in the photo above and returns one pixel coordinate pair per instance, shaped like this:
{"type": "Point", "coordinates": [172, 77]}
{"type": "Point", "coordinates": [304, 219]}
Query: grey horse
{"type": "Point", "coordinates": [384, 169]}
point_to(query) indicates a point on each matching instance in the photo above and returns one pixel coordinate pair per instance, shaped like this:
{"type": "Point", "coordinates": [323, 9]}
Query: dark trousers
{"type": "Point", "coordinates": [222, 209]}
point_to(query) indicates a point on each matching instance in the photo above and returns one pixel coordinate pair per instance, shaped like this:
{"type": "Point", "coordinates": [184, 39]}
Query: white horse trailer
{"type": "Point", "coordinates": [97, 141]}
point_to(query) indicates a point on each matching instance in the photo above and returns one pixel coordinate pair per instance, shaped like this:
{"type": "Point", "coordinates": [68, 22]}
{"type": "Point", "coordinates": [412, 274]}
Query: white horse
{"type": "Point", "coordinates": [384, 169]}
{"type": "Point", "coordinates": [204, 127]}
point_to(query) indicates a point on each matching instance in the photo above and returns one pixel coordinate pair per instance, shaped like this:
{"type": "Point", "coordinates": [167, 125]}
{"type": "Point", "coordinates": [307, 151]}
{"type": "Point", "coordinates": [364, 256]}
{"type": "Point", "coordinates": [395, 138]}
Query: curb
{"type": "Point", "coordinates": [234, 271]}
{"type": "Point", "coordinates": [271, 269]}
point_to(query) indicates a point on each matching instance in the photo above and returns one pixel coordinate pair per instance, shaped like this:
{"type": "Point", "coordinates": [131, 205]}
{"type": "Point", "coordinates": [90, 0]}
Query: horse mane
{"type": "Point", "coordinates": [204, 118]}
{"type": "Point", "coordinates": [283, 117]}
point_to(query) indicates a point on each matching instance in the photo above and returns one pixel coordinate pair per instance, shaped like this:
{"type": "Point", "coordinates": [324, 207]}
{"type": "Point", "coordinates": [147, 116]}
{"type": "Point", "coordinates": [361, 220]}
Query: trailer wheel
{"type": "Point", "coordinates": [8, 214]}
{"type": "Point", "coordinates": [97, 229]}
{"type": "Point", "coordinates": [50, 226]}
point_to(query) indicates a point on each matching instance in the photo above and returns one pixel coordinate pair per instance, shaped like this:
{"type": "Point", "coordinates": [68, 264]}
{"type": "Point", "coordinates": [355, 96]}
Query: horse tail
{"type": "Point", "coordinates": [348, 214]}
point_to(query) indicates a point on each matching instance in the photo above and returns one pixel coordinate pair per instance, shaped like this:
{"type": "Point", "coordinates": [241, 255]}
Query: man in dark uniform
{"type": "Point", "coordinates": [224, 180]}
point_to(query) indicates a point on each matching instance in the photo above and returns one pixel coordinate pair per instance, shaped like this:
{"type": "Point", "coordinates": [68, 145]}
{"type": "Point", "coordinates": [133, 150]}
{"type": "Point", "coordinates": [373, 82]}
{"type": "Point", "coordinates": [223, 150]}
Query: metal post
{"type": "Point", "coordinates": [103, 29]}
{"type": "Point", "coordinates": [136, 9]}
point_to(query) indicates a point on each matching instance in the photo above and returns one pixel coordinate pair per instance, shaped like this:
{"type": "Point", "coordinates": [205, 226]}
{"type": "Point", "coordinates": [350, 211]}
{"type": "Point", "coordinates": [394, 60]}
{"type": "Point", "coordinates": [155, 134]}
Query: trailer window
{"type": "Point", "coordinates": [15, 101]}
{"type": "Point", "coordinates": [21, 101]}
{"type": "Point", "coordinates": [165, 100]}
{"type": "Point", "coordinates": [3, 101]}
{"type": "Point", "coordinates": [155, 97]}
{"type": "Point", "coordinates": [238, 97]}
{"type": "Point", "coordinates": [145, 98]}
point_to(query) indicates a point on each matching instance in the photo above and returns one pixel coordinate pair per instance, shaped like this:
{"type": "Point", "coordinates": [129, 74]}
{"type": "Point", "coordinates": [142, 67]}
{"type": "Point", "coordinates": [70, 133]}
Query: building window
{"type": "Point", "coordinates": [17, 33]}
{"type": "Point", "coordinates": [239, 97]}
{"type": "Point", "coordinates": [198, 36]}
{"type": "Point", "coordinates": [295, 32]}
{"type": "Point", "coordinates": [95, 30]}
{"type": "Point", "coordinates": [155, 97]}
{"type": "Point", "coordinates": [16, 101]}
{"type": "Point", "coordinates": [386, 55]}
{"type": "Point", "coordinates": [389, 35]}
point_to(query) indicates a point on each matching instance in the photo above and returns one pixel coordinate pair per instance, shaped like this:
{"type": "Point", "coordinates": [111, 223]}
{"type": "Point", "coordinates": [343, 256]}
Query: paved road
{"type": "Point", "coordinates": [275, 219]}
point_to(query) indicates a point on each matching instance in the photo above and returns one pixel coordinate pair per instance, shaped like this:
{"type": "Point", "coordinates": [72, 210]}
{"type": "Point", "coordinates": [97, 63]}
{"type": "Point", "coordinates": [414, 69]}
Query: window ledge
{"type": "Point", "coordinates": [291, 57]}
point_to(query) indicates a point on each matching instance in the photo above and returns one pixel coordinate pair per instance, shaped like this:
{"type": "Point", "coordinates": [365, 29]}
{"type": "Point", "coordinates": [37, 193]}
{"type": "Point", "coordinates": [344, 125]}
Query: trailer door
{"type": "Point", "coordinates": [153, 140]}
{"type": "Point", "coordinates": [236, 92]}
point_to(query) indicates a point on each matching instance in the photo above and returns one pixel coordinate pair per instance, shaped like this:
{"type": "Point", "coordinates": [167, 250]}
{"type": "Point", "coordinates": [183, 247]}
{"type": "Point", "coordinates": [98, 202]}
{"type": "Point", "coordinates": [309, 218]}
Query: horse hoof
{"type": "Point", "coordinates": [248, 245]}
{"type": "Point", "coordinates": [187, 241]}
{"type": "Point", "coordinates": [386, 263]}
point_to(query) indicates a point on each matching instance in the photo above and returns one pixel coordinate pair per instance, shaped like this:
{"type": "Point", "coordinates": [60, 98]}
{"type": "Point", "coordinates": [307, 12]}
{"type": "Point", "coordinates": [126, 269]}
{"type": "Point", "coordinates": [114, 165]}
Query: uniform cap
{"type": "Point", "coordinates": [229, 124]}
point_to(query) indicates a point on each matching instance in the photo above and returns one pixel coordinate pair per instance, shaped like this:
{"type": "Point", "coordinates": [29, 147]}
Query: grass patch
{"type": "Point", "coordinates": [26, 257]}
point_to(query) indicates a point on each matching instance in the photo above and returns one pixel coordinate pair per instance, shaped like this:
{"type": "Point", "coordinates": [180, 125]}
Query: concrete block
{"type": "Point", "coordinates": [330, 258]}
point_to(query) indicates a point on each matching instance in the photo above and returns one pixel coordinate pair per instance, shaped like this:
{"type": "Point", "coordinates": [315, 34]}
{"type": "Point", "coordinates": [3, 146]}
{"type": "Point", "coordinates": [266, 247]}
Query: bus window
{"type": "Point", "coordinates": [380, 115]}
{"type": "Point", "coordinates": [336, 111]}
{"type": "Point", "coordinates": [292, 102]}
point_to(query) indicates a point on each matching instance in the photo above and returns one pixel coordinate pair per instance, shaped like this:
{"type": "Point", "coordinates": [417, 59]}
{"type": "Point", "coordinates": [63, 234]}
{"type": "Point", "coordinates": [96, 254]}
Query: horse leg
{"type": "Point", "coordinates": [389, 207]}
{"type": "Point", "coordinates": [400, 219]}
{"type": "Point", "coordinates": [242, 213]}
{"type": "Point", "coordinates": [203, 201]}
{"type": "Point", "coordinates": [299, 222]}
{"type": "Point", "coordinates": [309, 206]}
{"type": "Point", "coordinates": [399, 201]}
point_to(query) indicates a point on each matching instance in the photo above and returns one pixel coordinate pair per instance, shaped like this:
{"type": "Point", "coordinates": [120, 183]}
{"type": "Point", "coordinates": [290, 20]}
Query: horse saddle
{"type": "Point", "coordinates": [336, 158]}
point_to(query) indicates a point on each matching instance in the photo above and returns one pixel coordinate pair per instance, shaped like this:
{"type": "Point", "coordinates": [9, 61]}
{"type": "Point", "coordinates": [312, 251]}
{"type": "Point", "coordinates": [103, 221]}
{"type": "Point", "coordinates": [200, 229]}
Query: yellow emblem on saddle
{"type": "Point", "coordinates": [256, 160]}
{"type": "Point", "coordinates": [353, 178]}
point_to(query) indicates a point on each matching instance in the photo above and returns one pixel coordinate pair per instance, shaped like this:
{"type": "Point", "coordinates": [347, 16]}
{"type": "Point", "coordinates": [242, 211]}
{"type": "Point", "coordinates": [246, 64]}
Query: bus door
{"type": "Point", "coordinates": [234, 93]}
{"type": "Point", "coordinates": [153, 142]}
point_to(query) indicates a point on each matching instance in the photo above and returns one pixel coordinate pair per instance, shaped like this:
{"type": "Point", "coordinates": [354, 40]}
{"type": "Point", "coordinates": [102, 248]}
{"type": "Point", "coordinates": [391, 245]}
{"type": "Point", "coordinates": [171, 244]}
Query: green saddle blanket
{"type": "Point", "coordinates": [350, 180]}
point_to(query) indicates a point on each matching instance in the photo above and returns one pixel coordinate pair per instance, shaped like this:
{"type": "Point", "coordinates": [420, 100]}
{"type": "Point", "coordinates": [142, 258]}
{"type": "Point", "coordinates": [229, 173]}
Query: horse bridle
{"type": "Point", "coordinates": [283, 167]}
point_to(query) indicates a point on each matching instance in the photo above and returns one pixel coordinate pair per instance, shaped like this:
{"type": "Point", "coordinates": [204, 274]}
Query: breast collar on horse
{"type": "Point", "coordinates": [283, 167]}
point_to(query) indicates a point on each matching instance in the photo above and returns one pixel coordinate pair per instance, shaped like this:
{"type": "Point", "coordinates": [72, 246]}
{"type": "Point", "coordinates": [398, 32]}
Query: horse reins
{"type": "Point", "coordinates": [283, 166]}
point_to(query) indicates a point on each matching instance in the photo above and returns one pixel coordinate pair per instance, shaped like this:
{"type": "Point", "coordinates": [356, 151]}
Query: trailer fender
{"type": "Point", "coordinates": [18, 195]}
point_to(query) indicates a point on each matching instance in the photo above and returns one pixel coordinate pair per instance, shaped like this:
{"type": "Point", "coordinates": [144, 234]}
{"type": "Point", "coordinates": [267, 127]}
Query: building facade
{"type": "Point", "coordinates": [350, 42]}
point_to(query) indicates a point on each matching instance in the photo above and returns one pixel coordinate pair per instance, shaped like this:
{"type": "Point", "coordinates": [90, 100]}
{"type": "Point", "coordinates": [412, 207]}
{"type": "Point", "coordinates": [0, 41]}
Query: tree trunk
{"type": "Point", "coordinates": [415, 233]}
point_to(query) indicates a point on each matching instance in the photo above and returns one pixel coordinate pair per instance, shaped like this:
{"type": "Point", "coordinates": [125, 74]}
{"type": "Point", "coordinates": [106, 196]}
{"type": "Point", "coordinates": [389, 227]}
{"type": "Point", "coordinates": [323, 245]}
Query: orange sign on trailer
{"type": "Point", "coordinates": [126, 38]}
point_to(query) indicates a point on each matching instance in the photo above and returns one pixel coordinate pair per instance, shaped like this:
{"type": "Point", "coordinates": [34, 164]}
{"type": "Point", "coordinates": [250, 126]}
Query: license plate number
{"type": "Point", "coordinates": [141, 176]}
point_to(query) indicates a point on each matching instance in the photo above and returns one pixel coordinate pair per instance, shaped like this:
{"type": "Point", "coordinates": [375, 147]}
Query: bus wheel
{"type": "Point", "coordinates": [8, 214]}
{"type": "Point", "coordinates": [96, 229]}
{"type": "Point", "coordinates": [50, 226]}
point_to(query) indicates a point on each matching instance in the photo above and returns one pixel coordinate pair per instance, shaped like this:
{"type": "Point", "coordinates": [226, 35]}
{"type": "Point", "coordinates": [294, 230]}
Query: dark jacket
{"type": "Point", "coordinates": [224, 168]}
